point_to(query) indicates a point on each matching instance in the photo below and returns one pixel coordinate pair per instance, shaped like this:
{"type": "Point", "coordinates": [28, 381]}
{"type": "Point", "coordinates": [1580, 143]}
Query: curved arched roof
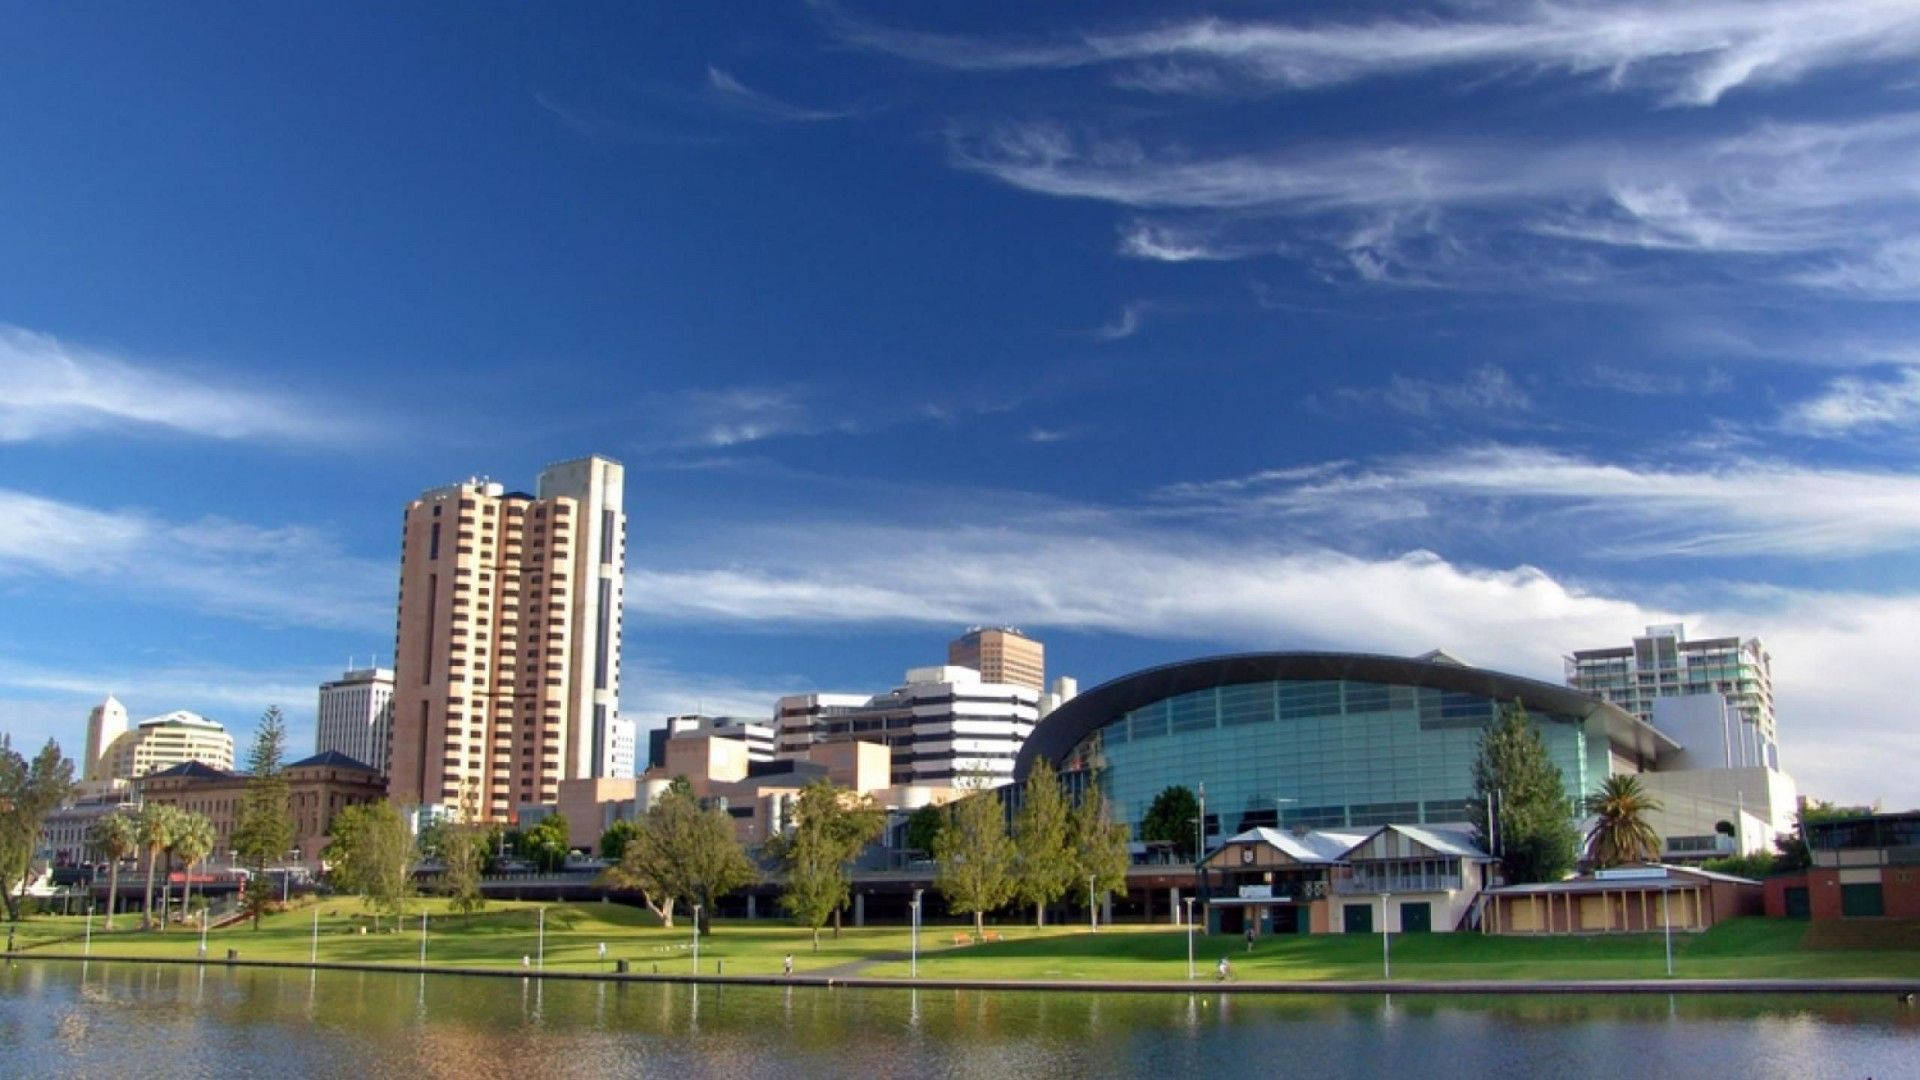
{"type": "Point", "coordinates": [1064, 727]}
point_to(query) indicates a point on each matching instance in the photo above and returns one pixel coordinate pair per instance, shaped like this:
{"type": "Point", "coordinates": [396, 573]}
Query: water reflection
{"type": "Point", "coordinates": [213, 1020]}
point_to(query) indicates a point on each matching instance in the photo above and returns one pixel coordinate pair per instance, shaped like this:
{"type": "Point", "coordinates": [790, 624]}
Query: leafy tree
{"type": "Point", "coordinates": [975, 857]}
{"type": "Point", "coordinates": [1794, 855]}
{"type": "Point", "coordinates": [372, 854]}
{"type": "Point", "coordinates": [1099, 844]}
{"type": "Point", "coordinates": [29, 791]}
{"type": "Point", "coordinates": [545, 844]}
{"type": "Point", "coordinates": [155, 826]}
{"type": "Point", "coordinates": [831, 826]}
{"type": "Point", "coordinates": [681, 853]}
{"type": "Point", "coordinates": [1170, 820]}
{"type": "Point", "coordinates": [923, 826]}
{"type": "Point", "coordinates": [613, 842]}
{"type": "Point", "coordinates": [1537, 837]}
{"type": "Point", "coordinates": [1043, 842]}
{"type": "Point", "coordinates": [463, 850]}
{"type": "Point", "coordinates": [1756, 865]}
{"type": "Point", "coordinates": [1621, 833]}
{"type": "Point", "coordinates": [113, 835]}
{"type": "Point", "coordinates": [192, 841]}
{"type": "Point", "coordinates": [265, 829]}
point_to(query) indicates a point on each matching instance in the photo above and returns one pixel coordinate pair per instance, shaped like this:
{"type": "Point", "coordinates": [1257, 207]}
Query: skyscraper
{"type": "Point", "coordinates": [1001, 655]}
{"type": "Point", "coordinates": [507, 660]}
{"type": "Point", "coordinates": [355, 716]}
{"type": "Point", "coordinates": [105, 723]}
{"type": "Point", "coordinates": [1663, 663]}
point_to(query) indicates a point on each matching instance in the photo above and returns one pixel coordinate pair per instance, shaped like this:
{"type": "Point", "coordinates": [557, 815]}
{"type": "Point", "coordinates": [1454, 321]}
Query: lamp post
{"type": "Point", "coordinates": [540, 950]}
{"type": "Point", "coordinates": [313, 943]}
{"type": "Point", "coordinates": [913, 950]}
{"type": "Point", "coordinates": [88, 947]}
{"type": "Point", "coordinates": [1386, 947]}
{"type": "Point", "coordinates": [1189, 902]}
{"type": "Point", "coordinates": [1666, 916]}
{"type": "Point", "coordinates": [696, 939]}
{"type": "Point", "coordinates": [203, 933]}
{"type": "Point", "coordinates": [1093, 909]}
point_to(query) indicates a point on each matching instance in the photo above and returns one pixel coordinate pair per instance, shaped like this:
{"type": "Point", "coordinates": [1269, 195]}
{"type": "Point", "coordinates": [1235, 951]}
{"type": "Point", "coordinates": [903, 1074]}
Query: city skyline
{"type": "Point", "coordinates": [1157, 332]}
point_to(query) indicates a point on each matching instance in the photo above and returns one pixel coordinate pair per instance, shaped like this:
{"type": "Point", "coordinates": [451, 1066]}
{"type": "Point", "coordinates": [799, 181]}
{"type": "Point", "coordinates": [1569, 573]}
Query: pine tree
{"type": "Point", "coordinates": [1533, 826]}
{"type": "Point", "coordinates": [265, 829]}
{"type": "Point", "coordinates": [1043, 842]}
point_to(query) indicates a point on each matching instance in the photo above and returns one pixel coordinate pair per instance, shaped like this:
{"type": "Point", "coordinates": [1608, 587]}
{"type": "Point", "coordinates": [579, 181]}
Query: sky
{"type": "Point", "coordinates": [1157, 330]}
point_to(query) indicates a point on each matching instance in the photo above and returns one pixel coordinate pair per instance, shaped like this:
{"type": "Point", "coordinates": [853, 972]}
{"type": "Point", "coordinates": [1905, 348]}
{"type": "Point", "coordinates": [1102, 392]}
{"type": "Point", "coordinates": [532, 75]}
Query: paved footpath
{"type": "Point", "coordinates": [830, 978]}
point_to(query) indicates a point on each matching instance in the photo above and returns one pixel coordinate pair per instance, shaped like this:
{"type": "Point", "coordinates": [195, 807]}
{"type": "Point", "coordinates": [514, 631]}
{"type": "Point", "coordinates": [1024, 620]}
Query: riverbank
{"type": "Point", "coordinates": [566, 941]}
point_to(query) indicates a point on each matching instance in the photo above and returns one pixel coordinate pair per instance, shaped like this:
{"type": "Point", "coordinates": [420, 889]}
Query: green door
{"type": "Point", "coordinates": [1862, 900]}
{"type": "Point", "coordinates": [1799, 902]}
{"type": "Point", "coordinates": [1416, 918]}
{"type": "Point", "coordinates": [1359, 918]}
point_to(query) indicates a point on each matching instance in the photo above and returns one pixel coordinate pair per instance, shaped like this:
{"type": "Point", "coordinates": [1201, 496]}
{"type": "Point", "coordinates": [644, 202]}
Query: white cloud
{"type": "Point", "coordinates": [49, 387]}
{"type": "Point", "coordinates": [271, 576]}
{"type": "Point", "coordinates": [45, 702]}
{"type": "Point", "coordinates": [1851, 404]}
{"type": "Point", "coordinates": [1687, 54]}
{"type": "Point", "coordinates": [1124, 325]}
{"type": "Point", "coordinates": [735, 95]}
{"type": "Point", "coordinates": [1487, 391]}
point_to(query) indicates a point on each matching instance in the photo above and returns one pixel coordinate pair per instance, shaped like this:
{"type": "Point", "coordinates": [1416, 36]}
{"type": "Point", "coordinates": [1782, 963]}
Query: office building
{"type": "Point", "coordinates": [164, 741]}
{"type": "Point", "coordinates": [507, 656]}
{"type": "Point", "coordinates": [1664, 664]}
{"type": "Point", "coordinates": [355, 716]}
{"type": "Point", "coordinates": [105, 724]}
{"type": "Point", "coordinates": [944, 725]}
{"type": "Point", "coordinates": [758, 735]}
{"type": "Point", "coordinates": [318, 788]}
{"type": "Point", "coordinates": [1001, 655]}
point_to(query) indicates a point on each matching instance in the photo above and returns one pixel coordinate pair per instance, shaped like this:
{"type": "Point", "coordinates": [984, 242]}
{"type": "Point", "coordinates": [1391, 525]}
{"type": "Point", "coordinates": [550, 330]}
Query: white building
{"type": "Point", "coordinates": [757, 734]}
{"type": "Point", "coordinates": [355, 717]}
{"type": "Point", "coordinates": [105, 724]}
{"type": "Point", "coordinates": [944, 725]}
{"type": "Point", "coordinates": [164, 741]}
{"type": "Point", "coordinates": [1664, 664]}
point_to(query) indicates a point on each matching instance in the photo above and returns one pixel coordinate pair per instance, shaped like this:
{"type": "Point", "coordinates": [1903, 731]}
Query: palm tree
{"type": "Point", "coordinates": [115, 837]}
{"type": "Point", "coordinates": [192, 842]}
{"type": "Point", "coordinates": [154, 827]}
{"type": "Point", "coordinates": [1620, 832]}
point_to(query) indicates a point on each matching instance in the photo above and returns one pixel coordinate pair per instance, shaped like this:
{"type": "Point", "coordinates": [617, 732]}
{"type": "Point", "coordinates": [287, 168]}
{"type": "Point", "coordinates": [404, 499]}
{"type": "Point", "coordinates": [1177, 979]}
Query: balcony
{"type": "Point", "coordinates": [1396, 883]}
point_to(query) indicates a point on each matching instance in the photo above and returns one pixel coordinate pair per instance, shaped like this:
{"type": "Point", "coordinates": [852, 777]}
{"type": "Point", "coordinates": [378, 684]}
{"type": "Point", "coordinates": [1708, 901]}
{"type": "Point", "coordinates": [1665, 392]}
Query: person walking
{"type": "Point", "coordinates": [1222, 977]}
{"type": "Point", "coordinates": [1249, 935]}
{"type": "Point", "coordinates": [789, 965]}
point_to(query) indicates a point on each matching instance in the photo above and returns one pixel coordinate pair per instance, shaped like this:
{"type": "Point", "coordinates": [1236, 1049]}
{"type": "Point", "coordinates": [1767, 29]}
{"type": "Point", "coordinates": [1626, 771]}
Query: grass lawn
{"type": "Point", "coordinates": [506, 931]}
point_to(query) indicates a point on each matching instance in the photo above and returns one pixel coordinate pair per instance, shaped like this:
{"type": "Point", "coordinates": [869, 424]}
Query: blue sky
{"type": "Point", "coordinates": [1158, 331]}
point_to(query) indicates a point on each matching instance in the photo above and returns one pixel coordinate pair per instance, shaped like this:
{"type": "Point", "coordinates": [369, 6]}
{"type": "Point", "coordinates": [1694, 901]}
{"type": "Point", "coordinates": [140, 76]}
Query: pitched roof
{"type": "Point", "coordinates": [1313, 847]}
{"type": "Point", "coordinates": [1444, 839]}
{"type": "Point", "coordinates": [191, 770]}
{"type": "Point", "coordinates": [1652, 881]}
{"type": "Point", "coordinates": [334, 758]}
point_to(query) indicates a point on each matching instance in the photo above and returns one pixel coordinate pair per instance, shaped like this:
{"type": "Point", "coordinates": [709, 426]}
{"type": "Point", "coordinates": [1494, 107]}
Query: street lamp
{"type": "Point", "coordinates": [1386, 949]}
{"type": "Point", "coordinates": [913, 951]}
{"type": "Point", "coordinates": [1189, 902]}
{"type": "Point", "coordinates": [696, 939]}
{"type": "Point", "coordinates": [1093, 909]}
{"type": "Point", "coordinates": [1666, 916]}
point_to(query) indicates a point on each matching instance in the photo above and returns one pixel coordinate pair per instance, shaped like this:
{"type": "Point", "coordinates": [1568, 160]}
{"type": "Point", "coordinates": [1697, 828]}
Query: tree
{"type": "Point", "coordinates": [113, 836]}
{"type": "Point", "coordinates": [1099, 843]}
{"type": "Point", "coordinates": [462, 849]}
{"type": "Point", "coordinates": [681, 853]}
{"type": "Point", "coordinates": [1043, 842]}
{"type": "Point", "coordinates": [1170, 820]}
{"type": "Point", "coordinates": [545, 844]}
{"type": "Point", "coordinates": [265, 829]}
{"type": "Point", "coordinates": [613, 842]}
{"type": "Point", "coordinates": [154, 826]}
{"type": "Point", "coordinates": [975, 857]}
{"type": "Point", "coordinates": [29, 791]}
{"type": "Point", "coordinates": [1533, 828]}
{"type": "Point", "coordinates": [372, 854]}
{"type": "Point", "coordinates": [192, 841]}
{"type": "Point", "coordinates": [831, 826]}
{"type": "Point", "coordinates": [923, 826]}
{"type": "Point", "coordinates": [1621, 833]}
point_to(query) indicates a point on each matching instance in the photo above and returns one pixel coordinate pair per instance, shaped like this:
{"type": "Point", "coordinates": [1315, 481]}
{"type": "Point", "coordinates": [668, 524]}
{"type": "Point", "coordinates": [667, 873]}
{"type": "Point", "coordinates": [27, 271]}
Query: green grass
{"type": "Point", "coordinates": [506, 931]}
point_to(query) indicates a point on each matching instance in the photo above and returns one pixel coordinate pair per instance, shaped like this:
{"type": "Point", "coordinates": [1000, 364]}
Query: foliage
{"type": "Point", "coordinates": [265, 829]}
{"type": "Point", "coordinates": [29, 791]}
{"type": "Point", "coordinates": [975, 857]}
{"type": "Point", "coordinates": [923, 826]}
{"type": "Point", "coordinates": [831, 826]}
{"type": "Point", "coordinates": [463, 850]}
{"type": "Point", "coordinates": [613, 842]}
{"type": "Point", "coordinates": [193, 840]}
{"type": "Point", "coordinates": [681, 853]}
{"type": "Point", "coordinates": [1099, 844]}
{"type": "Point", "coordinates": [154, 826]}
{"type": "Point", "coordinates": [545, 844]}
{"type": "Point", "coordinates": [1621, 833]}
{"type": "Point", "coordinates": [1756, 865]}
{"type": "Point", "coordinates": [113, 836]}
{"type": "Point", "coordinates": [1536, 836]}
{"type": "Point", "coordinates": [1170, 820]}
{"type": "Point", "coordinates": [372, 854]}
{"type": "Point", "coordinates": [1043, 842]}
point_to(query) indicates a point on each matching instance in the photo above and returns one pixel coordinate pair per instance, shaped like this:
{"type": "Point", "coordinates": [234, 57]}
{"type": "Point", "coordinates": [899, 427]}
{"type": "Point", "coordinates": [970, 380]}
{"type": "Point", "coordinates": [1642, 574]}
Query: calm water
{"type": "Point", "coordinates": [57, 1019]}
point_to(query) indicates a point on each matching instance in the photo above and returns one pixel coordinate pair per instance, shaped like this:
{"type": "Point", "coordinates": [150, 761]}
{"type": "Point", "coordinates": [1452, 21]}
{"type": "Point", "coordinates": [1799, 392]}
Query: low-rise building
{"type": "Point", "coordinates": [64, 835]}
{"type": "Point", "coordinates": [318, 788]}
{"type": "Point", "coordinates": [1863, 867]}
{"type": "Point", "coordinates": [1625, 900]}
{"type": "Point", "coordinates": [1405, 878]}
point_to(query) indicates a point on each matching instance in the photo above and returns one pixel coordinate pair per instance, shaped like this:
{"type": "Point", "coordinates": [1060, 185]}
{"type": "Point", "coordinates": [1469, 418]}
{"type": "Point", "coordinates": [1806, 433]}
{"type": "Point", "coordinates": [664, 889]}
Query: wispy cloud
{"type": "Point", "coordinates": [43, 701]}
{"type": "Point", "coordinates": [276, 576]}
{"type": "Point", "coordinates": [735, 95]}
{"type": "Point", "coordinates": [1853, 404]}
{"type": "Point", "coordinates": [730, 416]}
{"type": "Point", "coordinates": [1691, 54]}
{"type": "Point", "coordinates": [50, 387]}
{"type": "Point", "coordinates": [1126, 323]}
{"type": "Point", "coordinates": [1487, 392]}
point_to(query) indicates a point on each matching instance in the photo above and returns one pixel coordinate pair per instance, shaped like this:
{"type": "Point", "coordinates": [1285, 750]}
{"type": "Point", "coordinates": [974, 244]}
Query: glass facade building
{"type": "Point", "coordinates": [1319, 740]}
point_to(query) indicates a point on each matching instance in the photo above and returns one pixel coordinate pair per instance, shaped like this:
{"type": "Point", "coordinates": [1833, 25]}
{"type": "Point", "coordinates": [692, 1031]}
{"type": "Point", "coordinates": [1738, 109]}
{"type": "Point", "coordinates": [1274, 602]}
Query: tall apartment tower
{"type": "Point", "coordinates": [507, 655]}
{"type": "Point", "coordinates": [105, 723]}
{"type": "Point", "coordinates": [1001, 655]}
{"type": "Point", "coordinates": [1663, 663]}
{"type": "Point", "coordinates": [356, 716]}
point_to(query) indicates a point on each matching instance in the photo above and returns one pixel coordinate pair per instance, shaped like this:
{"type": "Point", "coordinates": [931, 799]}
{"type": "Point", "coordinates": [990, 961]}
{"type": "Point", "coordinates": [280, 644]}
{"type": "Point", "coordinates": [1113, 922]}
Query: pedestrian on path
{"type": "Point", "coordinates": [789, 965]}
{"type": "Point", "coordinates": [1223, 969]}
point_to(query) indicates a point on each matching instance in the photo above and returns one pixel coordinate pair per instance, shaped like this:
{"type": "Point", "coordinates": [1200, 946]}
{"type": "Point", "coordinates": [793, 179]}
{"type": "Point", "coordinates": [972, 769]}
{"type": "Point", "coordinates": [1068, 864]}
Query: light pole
{"type": "Point", "coordinates": [1386, 947]}
{"type": "Point", "coordinates": [696, 939]}
{"type": "Point", "coordinates": [88, 947]}
{"type": "Point", "coordinates": [1666, 916]}
{"type": "Point", "coordinates": [540, 951]}
{"type": "Point", "coordinates": [913, 950]}
{"type": "Point", "coordinates": [203, 933]}
{"type": "Point", "coordinates": [1093, 909]}
{"type": "Point", "coordinates": [1189, 902]}
{"type": "Point", "coordinates": [313, 943]}
{"type": "Point", "coordinates": [423, 938]}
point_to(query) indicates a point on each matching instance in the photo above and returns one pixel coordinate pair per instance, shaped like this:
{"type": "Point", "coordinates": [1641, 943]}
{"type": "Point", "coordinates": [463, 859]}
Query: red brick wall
{"type": "Point", "coordinates": [1900, 885]}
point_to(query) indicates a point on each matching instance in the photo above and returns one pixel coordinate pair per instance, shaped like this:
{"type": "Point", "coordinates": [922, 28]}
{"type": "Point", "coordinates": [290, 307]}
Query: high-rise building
{"type": "Point", "coordinates": [164, 741]}
{"type": "Point", "coordinates": [507, 660]}
{"type": "Point", "coordinates": [355, 716]}
{"type": "Point", "coordinates": [944, 725]}
{"type": "Point", "coordinates": [1663, 663]}
{"type": "Point", "coordinates": [106, 723]}
{"type": "Point", "coordinates": [1001, 655]}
